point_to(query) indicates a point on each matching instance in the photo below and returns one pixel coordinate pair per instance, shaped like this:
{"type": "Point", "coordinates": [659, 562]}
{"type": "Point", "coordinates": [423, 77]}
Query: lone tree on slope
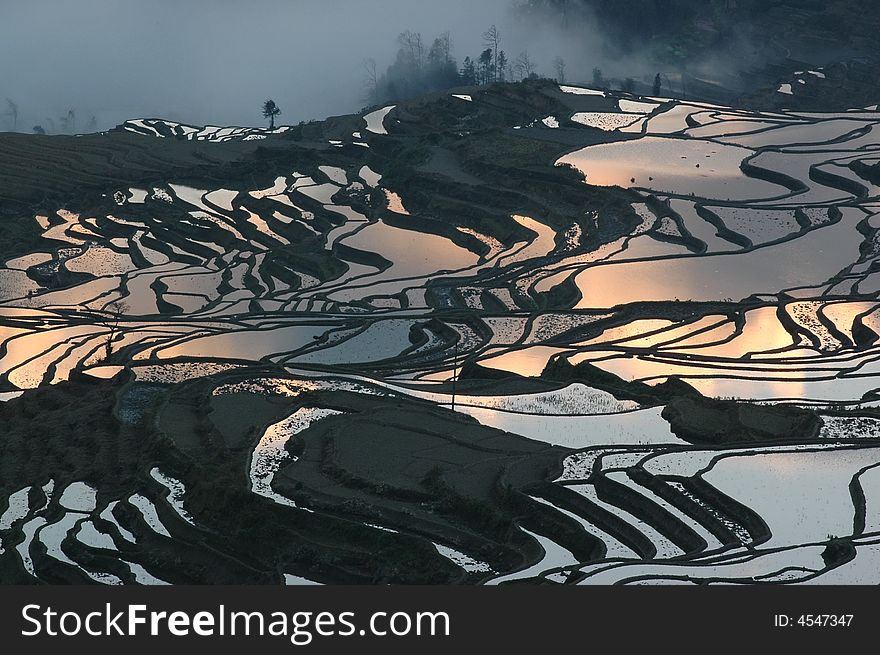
{"type": "Point", "coordinates": [270, 111]}
{"type": "Point", "coordinates": [492, 41]}
{"type": "Point", "coordinates": [116, 310]}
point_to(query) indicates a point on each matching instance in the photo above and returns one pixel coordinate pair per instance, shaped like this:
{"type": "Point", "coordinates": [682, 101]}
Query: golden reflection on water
{"type": "Point", "coordinates": [843, 314]}
{"type": "Point", "coordinates": [682, 166]}
{"type": "Point", "coordinates": [809, 259]}
{"type": "Point", "coordinates": [761, 332]}
{"type": "Point", "coordinates": [528, 362]}
{"type": "Point", "coordinates": [395, 203]}
{"type": "Point", "coordinates": [412, 253]}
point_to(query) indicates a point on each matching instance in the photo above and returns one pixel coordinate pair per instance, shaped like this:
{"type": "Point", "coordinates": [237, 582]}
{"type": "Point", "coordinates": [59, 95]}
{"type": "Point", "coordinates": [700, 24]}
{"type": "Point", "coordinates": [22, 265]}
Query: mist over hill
{"type": "Point", "coordinates": [97, 63]}
{"type": "Point", "coordinates": [498, 326]}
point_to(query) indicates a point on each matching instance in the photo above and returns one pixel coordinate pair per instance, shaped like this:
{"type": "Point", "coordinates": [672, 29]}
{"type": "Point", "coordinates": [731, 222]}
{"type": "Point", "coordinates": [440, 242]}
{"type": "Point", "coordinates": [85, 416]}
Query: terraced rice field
{"type": "Point", "coordinates": [735, 252]}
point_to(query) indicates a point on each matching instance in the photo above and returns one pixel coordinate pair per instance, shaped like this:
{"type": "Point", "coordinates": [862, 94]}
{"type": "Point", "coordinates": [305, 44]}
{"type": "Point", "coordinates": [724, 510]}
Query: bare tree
{"type": "Point", "coordinates": [115, 310]}
{"type": "Point", "coordinates": [270, 111]}
{"type": "Point", "coordinates": [12, 112]}
{"type": "Point", "coordinates": [563, 5]}
{"type": "Point", "coordinates": [503, 67]}
{"type": "Point", "coordinates": [371, 79]}
{"type": "Point", "coordinates": [559, 65]}
{"type": "Point", "coordinates": [468, 72]}
{"type": "Point", "coordinates": [524, 66]}
{"type": "Point", "coordinates": [484, 67]}
{"type": "Point", "coordinates": [492, 40]}
{"type": "Point", "coordinates": [440, 54]}
{"type": "Point", "coordinates": [68, 122]}
{"type": "Point", "coordinates": [413, 47]}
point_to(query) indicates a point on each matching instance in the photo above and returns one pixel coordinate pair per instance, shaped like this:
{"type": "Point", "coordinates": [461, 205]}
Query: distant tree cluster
{"type": "Point", "coordinates": [419, 69]}
{"type": "Point", "coordinates": [11, 119]}
{"type": "Point", "coordinates": [66, 124]}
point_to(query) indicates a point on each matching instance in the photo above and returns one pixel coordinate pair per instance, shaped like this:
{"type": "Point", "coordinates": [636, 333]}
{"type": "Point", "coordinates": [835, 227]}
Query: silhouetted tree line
{"type": "Point", "coordinates": [420, 69]}
{"type": "Point", "coordinates": [65, 124]}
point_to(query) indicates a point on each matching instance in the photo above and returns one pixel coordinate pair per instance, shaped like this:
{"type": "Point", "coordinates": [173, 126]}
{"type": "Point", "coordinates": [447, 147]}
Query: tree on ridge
{"type": "Point", "coordinates": [270, 111]}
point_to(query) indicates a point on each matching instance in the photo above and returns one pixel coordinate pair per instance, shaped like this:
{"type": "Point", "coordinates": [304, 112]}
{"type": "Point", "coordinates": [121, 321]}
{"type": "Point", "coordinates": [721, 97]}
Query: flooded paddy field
{"type": "Point", "coordinates": [445, 341]}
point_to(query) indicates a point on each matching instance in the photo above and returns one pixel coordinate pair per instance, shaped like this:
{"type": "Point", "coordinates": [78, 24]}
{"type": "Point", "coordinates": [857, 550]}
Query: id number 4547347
{"type": "Point", "coordinates": [813, 620]}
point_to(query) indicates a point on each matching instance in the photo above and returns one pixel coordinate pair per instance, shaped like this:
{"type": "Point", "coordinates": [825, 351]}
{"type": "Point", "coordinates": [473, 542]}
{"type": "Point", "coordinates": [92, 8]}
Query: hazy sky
{"type": "Point", "coordinates": [214, 61]}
